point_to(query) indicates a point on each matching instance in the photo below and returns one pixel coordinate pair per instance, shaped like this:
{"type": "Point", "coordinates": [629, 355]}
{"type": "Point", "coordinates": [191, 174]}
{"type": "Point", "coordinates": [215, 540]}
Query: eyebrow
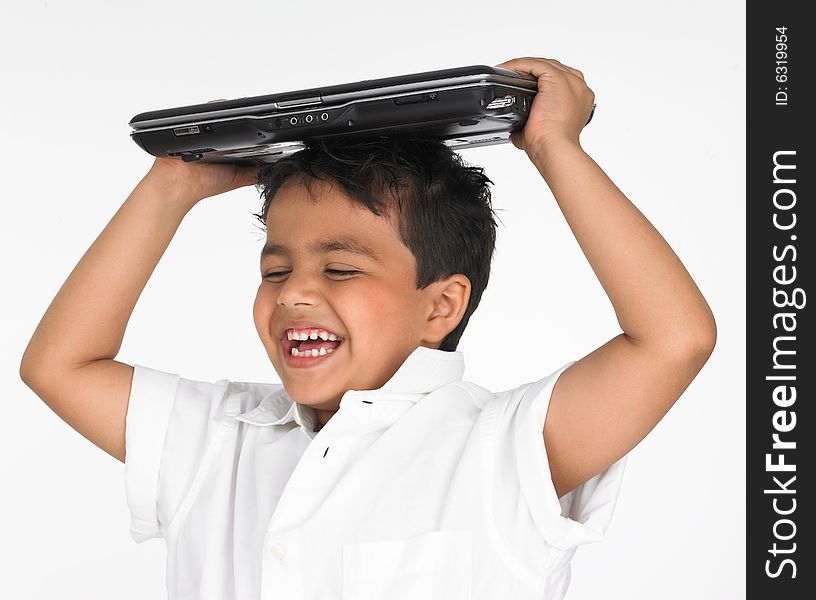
{"type": "Point", "coordinates": [325, 245]}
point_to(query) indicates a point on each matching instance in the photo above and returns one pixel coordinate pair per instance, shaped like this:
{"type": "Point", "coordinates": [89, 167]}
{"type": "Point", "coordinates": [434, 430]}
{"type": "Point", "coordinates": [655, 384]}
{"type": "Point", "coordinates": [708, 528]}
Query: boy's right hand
{"type": "Point", "coordinates": [191, 182]}
{"type": "Point", "coordinates": [195, 181]}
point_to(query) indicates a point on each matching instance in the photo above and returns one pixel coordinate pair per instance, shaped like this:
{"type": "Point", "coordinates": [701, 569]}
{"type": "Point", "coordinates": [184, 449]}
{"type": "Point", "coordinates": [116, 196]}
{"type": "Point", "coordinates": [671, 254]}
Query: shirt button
{"type": "Point", "coordinates": [277, 550]}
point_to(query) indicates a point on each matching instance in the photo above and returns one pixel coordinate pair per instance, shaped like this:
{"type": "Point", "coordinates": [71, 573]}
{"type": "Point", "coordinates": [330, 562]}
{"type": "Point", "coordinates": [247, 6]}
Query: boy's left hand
{"type": "Point", "coordinates": [561, 107]}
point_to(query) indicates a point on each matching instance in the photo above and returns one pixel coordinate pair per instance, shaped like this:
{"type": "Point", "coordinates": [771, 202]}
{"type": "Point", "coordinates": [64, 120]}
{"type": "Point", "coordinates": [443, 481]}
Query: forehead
{"type": "Point", "coordinates": [327, 222]}
{"type": "Point", "coordinates": [324, 245]}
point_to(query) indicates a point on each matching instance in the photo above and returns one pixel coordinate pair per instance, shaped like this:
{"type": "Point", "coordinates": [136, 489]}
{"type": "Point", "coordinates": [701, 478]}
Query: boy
{"type": "Point", "coordinates": [373, 470]}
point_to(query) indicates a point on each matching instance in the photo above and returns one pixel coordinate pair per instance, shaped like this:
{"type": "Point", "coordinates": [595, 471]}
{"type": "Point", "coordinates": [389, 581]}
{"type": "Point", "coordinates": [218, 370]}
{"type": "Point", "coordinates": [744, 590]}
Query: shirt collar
{"type": "Point", "coordinates": [423, 371]}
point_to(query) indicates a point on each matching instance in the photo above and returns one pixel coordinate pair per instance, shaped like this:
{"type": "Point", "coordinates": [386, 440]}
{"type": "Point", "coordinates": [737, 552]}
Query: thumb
{"type": "Point", "coordinates": [250, 175]}
{"type": "Point", "coordinates": [516, 140]}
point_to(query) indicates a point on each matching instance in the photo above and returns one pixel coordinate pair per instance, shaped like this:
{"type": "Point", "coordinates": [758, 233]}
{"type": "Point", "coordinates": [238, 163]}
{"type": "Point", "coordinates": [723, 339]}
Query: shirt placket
{"type": "Point", "coordinates": [283, 565]}
{"type": "Point", "coordinates": [280, 570]}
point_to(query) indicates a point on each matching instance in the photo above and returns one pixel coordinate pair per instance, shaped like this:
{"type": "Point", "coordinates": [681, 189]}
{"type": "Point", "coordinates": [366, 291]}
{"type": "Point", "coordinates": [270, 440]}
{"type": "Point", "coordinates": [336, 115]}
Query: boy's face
{"type": "Point", "coordinates": [378, 311]}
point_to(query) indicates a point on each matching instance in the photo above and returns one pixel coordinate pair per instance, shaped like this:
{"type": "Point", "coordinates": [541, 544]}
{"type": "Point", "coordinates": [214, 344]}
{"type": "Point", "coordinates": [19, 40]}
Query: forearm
{"type": "Point", "coordinates": [655, 299]}
{"type": "Point", "coordinates": [86, 321]}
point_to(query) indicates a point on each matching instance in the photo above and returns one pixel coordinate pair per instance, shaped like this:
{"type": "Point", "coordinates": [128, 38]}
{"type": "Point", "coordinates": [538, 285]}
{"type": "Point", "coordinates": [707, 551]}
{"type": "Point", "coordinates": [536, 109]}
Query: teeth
{"type": "Point", "coordinates": [312, 334]}
{"type": "Point", "coordinates": [313, 352]}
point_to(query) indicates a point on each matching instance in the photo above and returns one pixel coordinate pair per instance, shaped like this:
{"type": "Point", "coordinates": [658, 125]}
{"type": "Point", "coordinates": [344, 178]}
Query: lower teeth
{"type": "Point", "coordinates": [313, 352]}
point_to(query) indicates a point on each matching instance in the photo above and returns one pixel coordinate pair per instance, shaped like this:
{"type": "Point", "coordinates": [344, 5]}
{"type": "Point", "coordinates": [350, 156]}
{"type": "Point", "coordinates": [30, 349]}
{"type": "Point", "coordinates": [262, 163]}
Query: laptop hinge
{"type": "Point", "coordinates": [299, 102]}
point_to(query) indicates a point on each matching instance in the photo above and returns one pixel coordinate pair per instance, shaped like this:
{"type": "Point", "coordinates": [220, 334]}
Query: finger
{"type": "Point", "coordinates": [515, 139]}
{"type": "Point", "coordinates": [535, 66]}
{"type": "Point", "coordinates": [575, 72]}
{"type": "Point", "coordinates": [552, 61]}
{"type": "Point", "coordinates": [558, 65]}
{"type": "Point", "coordinates": [505, 65]}
{"type": "Point", "coordinates": [251, 175]}
{"type": "Point", "coordinates": [525, 64]}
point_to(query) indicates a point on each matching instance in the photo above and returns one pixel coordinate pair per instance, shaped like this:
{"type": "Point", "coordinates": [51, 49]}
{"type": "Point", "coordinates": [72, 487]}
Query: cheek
{"type": "Point", "coordinates": [380, 308]}
{"type": "Point", "coordinates": [365, 300]}
{"type": "Point", "coordinates": [262, 308]}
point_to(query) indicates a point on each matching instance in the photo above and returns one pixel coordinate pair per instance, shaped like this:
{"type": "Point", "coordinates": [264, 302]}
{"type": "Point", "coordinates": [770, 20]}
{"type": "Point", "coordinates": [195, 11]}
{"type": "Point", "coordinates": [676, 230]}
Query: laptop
{"type": "Point", "coordinates": [464, 107]}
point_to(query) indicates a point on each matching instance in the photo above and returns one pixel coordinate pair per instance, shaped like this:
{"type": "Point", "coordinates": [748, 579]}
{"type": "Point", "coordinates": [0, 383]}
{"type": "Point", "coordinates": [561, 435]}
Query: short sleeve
{"type": "Point", "coordinates": [170, 421]}
{"type": "Point", "coordinates": [522, 470]}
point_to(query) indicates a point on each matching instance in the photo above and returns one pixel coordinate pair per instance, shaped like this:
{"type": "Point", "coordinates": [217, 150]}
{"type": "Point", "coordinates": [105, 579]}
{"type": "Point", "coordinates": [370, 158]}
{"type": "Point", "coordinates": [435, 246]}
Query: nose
{"type": "Point", "coordinates": [298, 289]}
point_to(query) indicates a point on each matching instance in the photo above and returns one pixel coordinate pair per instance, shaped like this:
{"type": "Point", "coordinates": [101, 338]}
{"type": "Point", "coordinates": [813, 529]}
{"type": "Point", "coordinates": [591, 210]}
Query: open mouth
{"type": "Point", "coordinates": [316, 347]}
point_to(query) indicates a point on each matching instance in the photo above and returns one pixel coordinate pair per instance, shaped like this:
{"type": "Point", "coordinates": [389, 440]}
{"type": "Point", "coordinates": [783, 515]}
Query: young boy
{"type": "Point", "coordinates": [373, 470]}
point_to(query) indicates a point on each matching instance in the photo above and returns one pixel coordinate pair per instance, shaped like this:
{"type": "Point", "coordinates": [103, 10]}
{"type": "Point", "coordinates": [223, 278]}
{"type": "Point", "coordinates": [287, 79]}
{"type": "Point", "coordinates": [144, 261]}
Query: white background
{"type": "Point", "coordinates": [669, 80]}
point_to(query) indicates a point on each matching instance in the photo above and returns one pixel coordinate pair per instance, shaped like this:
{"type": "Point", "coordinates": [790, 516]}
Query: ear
{"type": "Point", "coordinates": [449, 299]}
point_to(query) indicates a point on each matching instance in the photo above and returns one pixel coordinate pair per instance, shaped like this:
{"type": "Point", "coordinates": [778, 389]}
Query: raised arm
{"type": "Point", "coordinates": [606, 403]}
{"type": "Point", "coordinates": [69, 361]}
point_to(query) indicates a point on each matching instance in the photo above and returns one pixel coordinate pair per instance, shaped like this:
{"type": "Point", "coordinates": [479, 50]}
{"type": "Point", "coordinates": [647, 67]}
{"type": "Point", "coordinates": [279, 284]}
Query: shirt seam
{"type": "Point", "coordinates": [151, 527]}
{"type": "Point", "coordinates": [227, 424]}
{"type": "Point", "coordinates": [464, 385]}
{"type": "Point", "coordinates": [535, 581]}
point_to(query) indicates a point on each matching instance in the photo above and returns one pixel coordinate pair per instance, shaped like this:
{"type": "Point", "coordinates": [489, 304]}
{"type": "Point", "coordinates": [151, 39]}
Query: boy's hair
{"type": "Point", "coordinates": [444, 205]}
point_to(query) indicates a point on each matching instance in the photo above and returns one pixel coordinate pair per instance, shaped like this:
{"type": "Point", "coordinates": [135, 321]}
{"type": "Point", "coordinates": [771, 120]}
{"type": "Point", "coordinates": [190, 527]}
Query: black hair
{"type": "Point", "coordinates": [445, 217]}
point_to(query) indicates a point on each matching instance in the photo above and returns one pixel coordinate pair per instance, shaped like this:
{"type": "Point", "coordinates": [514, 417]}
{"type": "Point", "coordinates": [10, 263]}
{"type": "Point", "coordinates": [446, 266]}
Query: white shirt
{"type": "Point", "coordinates": [428, 487]}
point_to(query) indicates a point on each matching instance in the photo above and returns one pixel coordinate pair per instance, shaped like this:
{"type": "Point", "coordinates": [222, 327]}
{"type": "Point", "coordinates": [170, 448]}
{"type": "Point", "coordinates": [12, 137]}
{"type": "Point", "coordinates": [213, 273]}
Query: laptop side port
{"type": "Point", "coordinates": [501, 102]}
{"type": "Point", "coordinates": [190, 130]}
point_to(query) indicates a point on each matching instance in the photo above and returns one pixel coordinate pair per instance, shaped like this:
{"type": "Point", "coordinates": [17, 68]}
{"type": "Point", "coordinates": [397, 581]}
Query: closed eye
{"type": "Point", "coordinates": [333, 271]}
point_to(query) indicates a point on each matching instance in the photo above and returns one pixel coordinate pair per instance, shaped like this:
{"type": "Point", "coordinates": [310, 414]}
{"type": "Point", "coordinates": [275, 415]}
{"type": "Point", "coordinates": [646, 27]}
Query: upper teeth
{"type": "Point", "coordinates": [310, 334]}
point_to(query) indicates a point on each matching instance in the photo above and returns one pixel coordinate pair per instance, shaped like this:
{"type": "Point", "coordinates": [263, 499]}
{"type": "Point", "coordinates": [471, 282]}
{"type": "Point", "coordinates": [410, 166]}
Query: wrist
{"type": "Point", "coordinates": [544, 155]}
{"type": "Point", "coordinates": [171, 192]}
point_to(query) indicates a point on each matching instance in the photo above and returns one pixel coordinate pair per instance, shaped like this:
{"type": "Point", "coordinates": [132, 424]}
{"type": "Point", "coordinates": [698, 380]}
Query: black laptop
{"type": "Point", "coordinates": [464, 107]}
